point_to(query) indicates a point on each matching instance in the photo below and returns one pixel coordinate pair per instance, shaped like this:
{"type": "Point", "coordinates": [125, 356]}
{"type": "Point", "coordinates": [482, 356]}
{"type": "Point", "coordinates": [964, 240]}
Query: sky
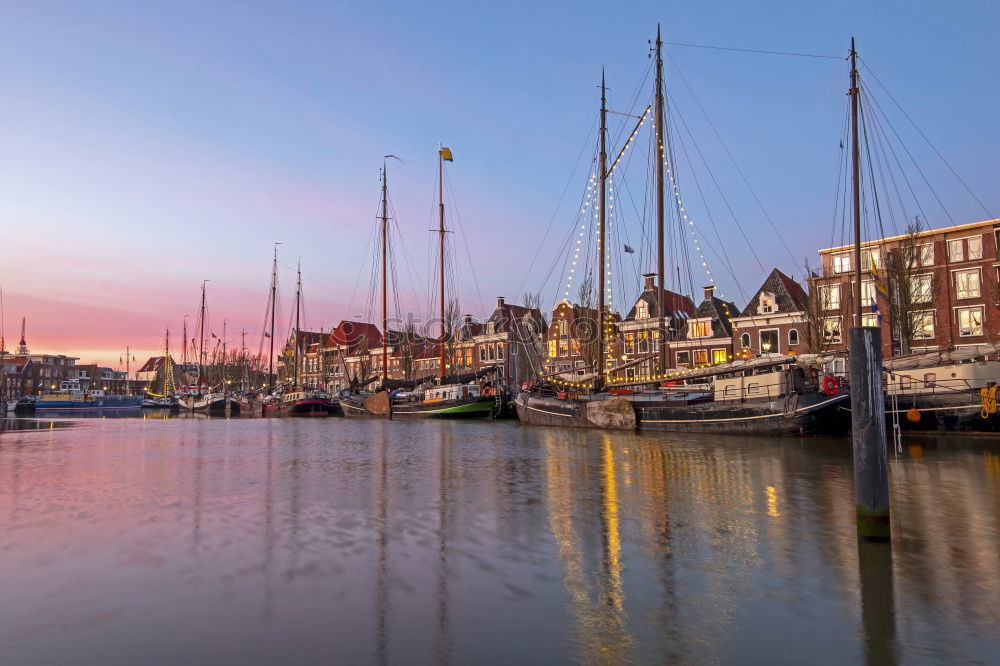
{"type": "Point", "coordinates": [146, 147]}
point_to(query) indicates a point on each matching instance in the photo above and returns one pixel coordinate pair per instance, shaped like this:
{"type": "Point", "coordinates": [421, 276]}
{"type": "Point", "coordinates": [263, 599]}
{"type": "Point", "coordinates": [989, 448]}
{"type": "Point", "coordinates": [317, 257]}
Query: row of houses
{"type": "Point", "coordinates": [25, 373]}
{"type": "Point", "coordinates": [945, 284]}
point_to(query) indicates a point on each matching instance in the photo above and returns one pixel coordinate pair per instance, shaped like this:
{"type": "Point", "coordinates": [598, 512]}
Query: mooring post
{"type": "Point", "coordinates": [871, 465]}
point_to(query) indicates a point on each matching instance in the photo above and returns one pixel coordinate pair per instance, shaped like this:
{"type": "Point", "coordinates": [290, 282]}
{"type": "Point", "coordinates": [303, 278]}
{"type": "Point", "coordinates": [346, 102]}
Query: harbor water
{"type": "Point", "coordinates": [266, 541]}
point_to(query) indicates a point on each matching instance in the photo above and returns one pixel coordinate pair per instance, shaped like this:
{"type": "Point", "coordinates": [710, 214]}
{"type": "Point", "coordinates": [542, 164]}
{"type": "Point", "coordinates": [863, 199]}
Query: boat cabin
{"type": "Point", "coordinates": [452, 392]}
{"type": "Point", "coordinates": [760, 386]}
{"type": "Point", "coordinates": [942, 378]}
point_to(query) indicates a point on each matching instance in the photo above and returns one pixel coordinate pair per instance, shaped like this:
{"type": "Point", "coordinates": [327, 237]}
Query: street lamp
{"type": "Point", "coordinates": [766, 346]}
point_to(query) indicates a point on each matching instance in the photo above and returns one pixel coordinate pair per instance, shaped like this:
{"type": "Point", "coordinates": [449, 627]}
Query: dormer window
{"type": "Point", "coordinates": [490, 328]}
{"type": "Point", "coordinates": [699, 328]}
{"type": "Point", "coordinates": [642, 310]}
{"type": "Point", "coordinates": [768, 303]}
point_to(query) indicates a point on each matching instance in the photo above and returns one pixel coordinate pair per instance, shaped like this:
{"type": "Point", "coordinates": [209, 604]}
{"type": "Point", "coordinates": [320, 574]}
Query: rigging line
{"type": "Point", "coordinates": [924, 136]}
{"type": "Point", "coordinates": [676, 110]}
{"type": "Point", "coordinates": [882, 143]}
{"type": "Point", "coordinates": [902, 172]}
{"type": "Point", "coordinates": [465, 242]}
{"type": "Point", "coordinates": [682, 233]}
{"type": "Point", "coordinates": [562, 196]}
{"type": "Point", "coordinates": [840, 173]}
{"type": "Point", "coordinates": [871, 174]}
{"type": "Point", "coordinates": [761, 51]}
{"type": "Point", "coordinates": [357, 280]}
{"type": "Point", "coordinates": [908, 154]}
{"type": "Point", "coordinates": [733, 159]}
{"type": "Point", "coordinates": [871, 127]}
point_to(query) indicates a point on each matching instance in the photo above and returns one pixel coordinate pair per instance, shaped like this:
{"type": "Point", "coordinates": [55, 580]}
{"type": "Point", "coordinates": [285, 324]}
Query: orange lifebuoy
{"type": "Point", "coordinates": [830, 385]}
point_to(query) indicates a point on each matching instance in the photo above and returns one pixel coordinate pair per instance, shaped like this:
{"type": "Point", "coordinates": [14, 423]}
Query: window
{"type": "Point", "coordinates": [499, 351]}
{"type": "Point", "coordinates": [491, 353]}
{"type": "Point", "coordinates": [830, 297]}
{"type": "Point", "coordinates": [975, 245]}
{"type": "Point", "coordinates": [841, 263]}
{"type": "Point", "coordinates": [870, 258]}
{"type": "Point", "coordinates": [769, 341]}
{"type": "Point", "coordinates": [930, 379]}
{"type": "Point", "coordinates": [641, 310]}
{"type": "Point", "coordinates": [699, 328]}
{"type": "Point", "coordinates": [753, 388]}
{"type": "Point", "coordinates": [867, 293]}
{"type": "Point", "coordinates": [562, 328]}
{"type": "Point", "coordinates": [701, 357]}
{"type": "Point", "coordinates": [869, 319]}
{"type": "Point", "coordinates": [719, 356]}
{"type": "Point", "coordinates": [970, 321]}
{"type": "Point", "coordinates": [552, 350]}
{"type": "Point", "coordinates": [926, 253]}
{"type": "Point", "coordinates": [683, 359]}
{"type": "Point", "coordinates": [831, 329]}
{"type": "Point", "coordinates": [656, 341]}
{"type": "Point", "coordinates": [643, 345]}
{"type": "Point", "coordinates": [923, 325]}
{"type": "Point", "coordinates": [955, 250]}
{"type": "Point", "coordinates": [564, 347]}
{"type": "Point", "coordinates": [768, 303]}
{"type": "Point", "coordinates": [967, 284]}
{"type": "Point", "coordinates": [630, 343]}
{"type": "Point", "coordinates": [793, 337]}
{"type": "Point", "coordinates": [920, 289]}
{"type": "Point", "coordinates": [745, 341]}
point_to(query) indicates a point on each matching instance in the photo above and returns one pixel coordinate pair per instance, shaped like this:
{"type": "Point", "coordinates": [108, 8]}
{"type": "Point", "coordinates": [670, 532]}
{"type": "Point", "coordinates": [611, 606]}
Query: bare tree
{"type": "Point", "coordinates": [533, 301]}
{"type": "Point", "coordinates": [825, 309]}
{"type": "Point", "coordinates": [586, 326]}
{"type": "Point", "coordinates": [452, 334]}
{"type": "Point", "coordinates": [407, 349]}
{"type": "Point", "coordinates": [908, 294]}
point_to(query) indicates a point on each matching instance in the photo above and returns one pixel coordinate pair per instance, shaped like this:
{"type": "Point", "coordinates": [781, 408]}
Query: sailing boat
{"type": "Point", "coordinates": [165, 398]}
{"type": "Point", "coordinates": [298, 400]}
{"type": "Point", "coordinates": [788, 398]}
{"type": "Point", "coordinates": [443, 400]}
{"type": "Point", "coordinates": [201, 398]}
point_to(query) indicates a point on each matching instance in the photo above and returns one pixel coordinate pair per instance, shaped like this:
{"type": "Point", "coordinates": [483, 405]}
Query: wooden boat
{"type": "Point", "coordinates": [302, 403]}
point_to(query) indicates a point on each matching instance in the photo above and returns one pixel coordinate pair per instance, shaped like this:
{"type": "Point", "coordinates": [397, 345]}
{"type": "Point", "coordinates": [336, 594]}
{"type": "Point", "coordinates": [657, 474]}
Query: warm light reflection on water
{"type": "Point", "coordinates": [305, 541]}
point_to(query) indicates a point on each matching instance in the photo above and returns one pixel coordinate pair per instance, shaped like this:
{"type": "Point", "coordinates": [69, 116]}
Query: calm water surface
{"type": "Point", "coordinates": [290, 541]}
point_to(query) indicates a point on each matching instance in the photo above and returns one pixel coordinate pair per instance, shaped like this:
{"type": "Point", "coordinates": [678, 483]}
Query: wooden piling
{"type": "Point", "coordinates": [871, 466]}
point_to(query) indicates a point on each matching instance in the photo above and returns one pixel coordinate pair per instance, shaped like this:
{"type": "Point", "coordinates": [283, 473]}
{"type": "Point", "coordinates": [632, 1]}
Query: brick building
{"type": "Point", "coordinates": [774, 321]}
{"type": "Point", "coordinates": [640, 332]}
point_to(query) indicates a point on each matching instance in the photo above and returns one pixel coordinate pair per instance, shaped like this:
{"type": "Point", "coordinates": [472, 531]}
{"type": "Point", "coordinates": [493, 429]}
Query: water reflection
{"type": "Point", "coordinates": [283, 540]}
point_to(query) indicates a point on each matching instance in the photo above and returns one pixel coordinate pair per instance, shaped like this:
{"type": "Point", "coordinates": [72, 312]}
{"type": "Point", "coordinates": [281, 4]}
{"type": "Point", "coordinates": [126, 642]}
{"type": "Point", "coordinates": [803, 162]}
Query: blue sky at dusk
{"type": "Point", "coordinates": [149, 146]}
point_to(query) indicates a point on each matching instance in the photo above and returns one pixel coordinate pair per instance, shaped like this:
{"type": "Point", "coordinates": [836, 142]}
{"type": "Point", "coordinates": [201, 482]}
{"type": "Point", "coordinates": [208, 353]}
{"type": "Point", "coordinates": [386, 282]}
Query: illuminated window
{"type": "Point", "coordinates": [923, 325]}
{"type": "Point", "coordinates": [552, 350]}
{"type": "Point", "coordinates": [970, 321]}
{"type": "Point", "coordinates": [975, 246]}
{"type": "Point", "coordinates": [630, 343]}
{"type": "Point", "coordinates": [869, 319]}
{"type": "Point", "coordinates": [699, 328]}
{"type": "Point", "coordinates": [967, 284]}
{"type": "Point", "coordinates": [920, 289]}
{"type": "Point", "coordinates": [719, 356]}
{"type": "Point", "coordinates": [701, 357]}
{"type": "Point", "coordinates": [641, 310]}
{"type": "Point", "coordinates": [830, 297]}
{"type": "Point", "coordinates": [831, 329]}
{"type": "Point", "coordinates": [955, 252]}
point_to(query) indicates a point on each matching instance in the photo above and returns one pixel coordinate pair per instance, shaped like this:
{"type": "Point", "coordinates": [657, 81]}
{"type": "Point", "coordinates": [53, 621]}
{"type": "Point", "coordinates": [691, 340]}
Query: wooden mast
{"type": "Point", "coordinates": [441, 253]}
{"type": "Point", "coordinates": [600, 231]}
{"type": "Point", "coordinates": [385, 254]}
{"type": "Point", "coordinates": [856, 170]}
{"type": "Point", "coordinates": [274, 293]}
{"type": "Point", "coordinates": [225, 386]}
{"type": "Point", "coordinates": [201, 335]}
{"type": "Point", "coordinates": [295, 339]}
{"type": "Point", "coordinates": [660, 184]}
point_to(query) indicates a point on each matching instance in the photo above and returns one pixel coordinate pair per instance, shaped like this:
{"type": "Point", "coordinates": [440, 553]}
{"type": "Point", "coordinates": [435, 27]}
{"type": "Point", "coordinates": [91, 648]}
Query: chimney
{"type": "Point", "coordinates": [500, 301]}
{"type": "Point", "coordinates": [709, 292]}
{"type": "Point", "coordinates": [468, 320]}
{"type": "Point", "coordinates": [650, 281]}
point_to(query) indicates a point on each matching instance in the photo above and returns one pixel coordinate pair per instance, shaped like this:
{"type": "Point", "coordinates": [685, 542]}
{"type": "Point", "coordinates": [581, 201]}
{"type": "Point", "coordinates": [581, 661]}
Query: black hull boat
{"type": "Point", "coordinates": [796, 414]}
{"type": "Point", "coordinates": [314, 406]}
{"type": "Point", "coordinates": [214, 405]}
{"type": "Point", "coordinates": [449, 405]}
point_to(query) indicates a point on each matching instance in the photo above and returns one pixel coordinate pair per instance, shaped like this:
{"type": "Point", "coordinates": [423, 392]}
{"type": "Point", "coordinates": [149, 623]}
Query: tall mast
{"type": "Point", "coordinates": [274, 294]}
{"type": "Point", "coordinates": [295, 340]}
{"type": "Point", "coordinates": [385, 255]}
{"type": "Point", "coordinates": [660, 184]}
{"type": "Point", "coordinates": [441, 248]}
{"type": "Point", "coordinates": [224, 360]}
{"type": "Point", "coordinates": [600, 229]}
{"type": "Point", "coordinates": [201, 335]}
{"type": "Point", "coordinates": [184, 354]}
{"type": "Point", "coordinates": [128, 385]}
{"type": "Point", "coordinates": [856, 169]}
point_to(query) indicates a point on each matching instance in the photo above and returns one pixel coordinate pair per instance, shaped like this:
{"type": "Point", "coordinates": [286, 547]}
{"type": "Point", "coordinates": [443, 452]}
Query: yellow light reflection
{"type": "Point", "coordinates": [772, 502]}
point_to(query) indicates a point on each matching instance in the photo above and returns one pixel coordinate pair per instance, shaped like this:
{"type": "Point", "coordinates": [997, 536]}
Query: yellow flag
{"type": "Point", "coordinates": [446, 154]}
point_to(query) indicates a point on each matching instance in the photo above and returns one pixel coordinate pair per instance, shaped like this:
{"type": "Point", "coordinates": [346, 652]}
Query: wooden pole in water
{"type": "Point", "coordinates": [871, 465]}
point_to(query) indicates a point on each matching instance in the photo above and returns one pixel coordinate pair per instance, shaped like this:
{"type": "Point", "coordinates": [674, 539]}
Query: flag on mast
{"type": "Point", "coordinates": [446, 154]}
